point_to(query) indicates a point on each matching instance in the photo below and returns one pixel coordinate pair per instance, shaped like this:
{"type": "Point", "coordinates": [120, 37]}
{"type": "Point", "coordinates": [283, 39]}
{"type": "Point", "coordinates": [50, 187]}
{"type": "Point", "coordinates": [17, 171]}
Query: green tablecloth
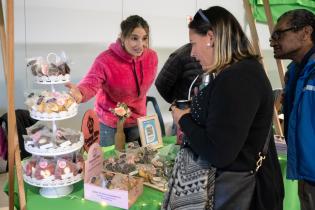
{"type": "Point", "coordinates": [291, 199]}
{"type": "Point", "coordinates": [150, 199]}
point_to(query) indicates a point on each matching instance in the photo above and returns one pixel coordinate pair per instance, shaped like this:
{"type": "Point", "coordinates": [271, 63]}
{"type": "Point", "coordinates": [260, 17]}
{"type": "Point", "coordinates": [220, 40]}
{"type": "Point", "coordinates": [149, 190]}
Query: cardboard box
{"type": "Point", "coordinates": [114, 197]}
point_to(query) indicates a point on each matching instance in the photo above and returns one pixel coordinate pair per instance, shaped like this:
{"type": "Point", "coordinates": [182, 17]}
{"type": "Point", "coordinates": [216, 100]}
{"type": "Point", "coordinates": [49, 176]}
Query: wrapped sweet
{"type": "Point", "coordinates": [45, 169]}
{"type": "Point", "coordinates": [66, 137]}
{"type": "Point", "coordinates": [44, 142]}
{"type": "Point", "coordinates": [65, 169]}
{"type": "Point", "coordinates": [41, 136]}
{"type": "Point", "coordinates": [53, 65]}
{"type": "Point", "coordinates": [29, 167]}
{"type": "Point", "coordinates": [39, 131]}
{"type": "Point", "coordinates": [75, 158]}
{"type": "Point", "coordinates": [49, 102]}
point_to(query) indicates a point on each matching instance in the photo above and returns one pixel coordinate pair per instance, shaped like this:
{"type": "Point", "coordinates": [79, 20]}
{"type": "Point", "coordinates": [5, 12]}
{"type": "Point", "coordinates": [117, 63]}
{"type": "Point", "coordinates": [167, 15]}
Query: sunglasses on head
{"type": "Point", "coordinates": [276, 35]}
{"type": "Point", "coordinates": [202, 15]}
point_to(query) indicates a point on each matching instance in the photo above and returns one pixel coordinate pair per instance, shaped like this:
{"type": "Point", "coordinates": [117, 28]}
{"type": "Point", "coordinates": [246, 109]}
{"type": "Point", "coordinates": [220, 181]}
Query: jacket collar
{"type": "Point", "coordinates": [306, 57]}
{"type": "Point", "coordinates": [307, 66]}
{"type": "Point", "coordinates": [123, 54]}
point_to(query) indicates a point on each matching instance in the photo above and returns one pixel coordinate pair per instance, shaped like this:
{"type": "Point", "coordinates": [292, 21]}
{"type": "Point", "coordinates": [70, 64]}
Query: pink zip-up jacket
{"type": "Point", "coordinates": [113, 78]}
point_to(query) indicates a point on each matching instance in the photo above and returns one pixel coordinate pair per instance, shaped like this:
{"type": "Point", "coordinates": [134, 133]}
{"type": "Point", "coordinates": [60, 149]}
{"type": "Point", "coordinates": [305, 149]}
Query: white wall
{"type": "Point", "coordinates": [85, 28]}
{"type": "Point", "coordinates": [81, 21]}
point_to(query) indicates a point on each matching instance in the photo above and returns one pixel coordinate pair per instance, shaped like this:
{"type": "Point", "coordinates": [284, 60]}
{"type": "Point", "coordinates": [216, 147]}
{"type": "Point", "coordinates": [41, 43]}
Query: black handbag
{"type": "Point", "coordinates": [195, 184]}
{"type": "Point", "coordinates": [269, 189]}
{"type": "Point", "coordinates": [235, 190]}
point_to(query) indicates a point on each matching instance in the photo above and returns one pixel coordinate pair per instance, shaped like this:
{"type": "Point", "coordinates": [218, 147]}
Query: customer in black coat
{"type": "Point", "coordinates": [177, 74]}
{"type": "Point", "coordinates": [23, 121]}
{"type": "Point", "coordinates": [230, 119]}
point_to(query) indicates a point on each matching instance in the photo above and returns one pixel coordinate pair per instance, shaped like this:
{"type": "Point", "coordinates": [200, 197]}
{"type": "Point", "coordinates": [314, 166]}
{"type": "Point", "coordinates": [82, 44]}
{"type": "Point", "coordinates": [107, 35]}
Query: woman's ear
{"type": "Point", "coordinates": [210, 35]}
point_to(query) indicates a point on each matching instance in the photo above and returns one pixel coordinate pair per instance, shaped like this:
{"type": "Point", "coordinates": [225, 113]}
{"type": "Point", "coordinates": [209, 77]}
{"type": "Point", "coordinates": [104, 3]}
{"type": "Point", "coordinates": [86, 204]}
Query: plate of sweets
{"type": "Point", "coordinates": [47, 105]}
{"type": "Point", "coordinates": [40, 140]}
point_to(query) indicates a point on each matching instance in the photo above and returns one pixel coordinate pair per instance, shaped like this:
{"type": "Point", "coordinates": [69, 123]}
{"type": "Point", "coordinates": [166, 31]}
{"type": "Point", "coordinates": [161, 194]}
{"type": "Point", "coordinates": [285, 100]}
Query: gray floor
{"type": "Point", "coordinates": [4, 200]}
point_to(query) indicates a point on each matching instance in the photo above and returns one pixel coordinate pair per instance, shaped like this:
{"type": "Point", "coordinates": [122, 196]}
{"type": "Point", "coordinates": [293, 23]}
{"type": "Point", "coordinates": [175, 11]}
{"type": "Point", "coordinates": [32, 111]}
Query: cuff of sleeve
{"type": "Point", "coordinates": [82, 93]}
{"type": "Point", "coordinates": [185, 123]}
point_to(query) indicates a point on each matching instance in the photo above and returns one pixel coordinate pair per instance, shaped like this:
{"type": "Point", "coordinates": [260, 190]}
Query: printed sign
{"type": "Point", "coordinates": [90, 128]}
{"type": "Point", "coordinates": [94, 162]}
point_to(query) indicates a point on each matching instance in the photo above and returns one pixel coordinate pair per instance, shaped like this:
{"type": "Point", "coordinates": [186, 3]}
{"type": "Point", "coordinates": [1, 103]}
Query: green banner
{"type": "Point", "coordinates": [278, 7]}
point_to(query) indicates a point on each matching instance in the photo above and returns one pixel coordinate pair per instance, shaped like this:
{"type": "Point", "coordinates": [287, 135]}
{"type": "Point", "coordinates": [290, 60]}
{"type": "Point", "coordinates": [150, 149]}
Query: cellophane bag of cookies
{"type": "Point", "coordinates": [65, 168]}
{"type": "Point", "coordinates": [30, 165]}
{"type": "Point", "coordinates": [52, 65]}
{"type": "Point", "coordinates": [45, 169]}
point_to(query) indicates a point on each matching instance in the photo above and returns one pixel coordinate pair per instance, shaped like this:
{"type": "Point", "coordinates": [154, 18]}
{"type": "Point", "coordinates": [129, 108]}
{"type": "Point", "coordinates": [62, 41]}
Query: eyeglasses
{"type": "Point", "coordinates": [276, 35]}
{"type": "Point", "coordinates": [202, 15]}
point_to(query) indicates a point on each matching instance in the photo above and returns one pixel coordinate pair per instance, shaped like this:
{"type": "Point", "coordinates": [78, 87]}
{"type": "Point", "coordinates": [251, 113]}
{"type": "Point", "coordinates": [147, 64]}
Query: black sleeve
{"type": "Point", "coordinates": [231, 110]}
{"type": "Point", "coordinates": [166, 80]}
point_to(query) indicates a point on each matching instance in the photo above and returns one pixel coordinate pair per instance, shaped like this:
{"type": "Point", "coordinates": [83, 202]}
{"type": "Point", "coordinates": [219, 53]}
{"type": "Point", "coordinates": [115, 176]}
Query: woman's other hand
{"type": "Point", "coordinates": [178, 113]}
{"type": "Point", "coordinates": [74, 92]}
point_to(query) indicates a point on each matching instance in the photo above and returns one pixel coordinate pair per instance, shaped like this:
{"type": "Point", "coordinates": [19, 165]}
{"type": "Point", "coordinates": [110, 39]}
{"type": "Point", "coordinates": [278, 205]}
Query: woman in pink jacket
{"type": "Point", "coordinates": [122, 73]}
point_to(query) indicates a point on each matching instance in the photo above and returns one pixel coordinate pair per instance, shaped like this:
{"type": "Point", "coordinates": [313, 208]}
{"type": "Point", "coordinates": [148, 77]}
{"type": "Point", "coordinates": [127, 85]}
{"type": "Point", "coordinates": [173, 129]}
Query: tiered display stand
{"type": "Point", "coordinates": [54, 188]}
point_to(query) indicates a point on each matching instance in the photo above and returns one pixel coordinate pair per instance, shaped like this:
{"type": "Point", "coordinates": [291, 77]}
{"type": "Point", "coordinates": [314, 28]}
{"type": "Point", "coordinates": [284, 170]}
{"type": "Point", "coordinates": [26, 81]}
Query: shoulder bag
{"type": "Point", "coordinates": [195, 184]}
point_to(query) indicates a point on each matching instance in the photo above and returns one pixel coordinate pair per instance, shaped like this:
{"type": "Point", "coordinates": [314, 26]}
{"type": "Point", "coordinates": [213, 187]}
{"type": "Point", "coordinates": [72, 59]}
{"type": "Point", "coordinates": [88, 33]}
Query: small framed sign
{"type": "Point", "coordinates": [150, 131]}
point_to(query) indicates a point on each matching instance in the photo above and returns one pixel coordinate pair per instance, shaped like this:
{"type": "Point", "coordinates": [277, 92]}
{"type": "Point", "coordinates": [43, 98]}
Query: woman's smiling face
{"type": "Point", "coordinates": [135, 43]}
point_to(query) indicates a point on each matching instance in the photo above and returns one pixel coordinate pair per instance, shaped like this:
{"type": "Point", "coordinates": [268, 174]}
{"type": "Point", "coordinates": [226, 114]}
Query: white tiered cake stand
{"type": "Point", "coordinates": [54, 188]}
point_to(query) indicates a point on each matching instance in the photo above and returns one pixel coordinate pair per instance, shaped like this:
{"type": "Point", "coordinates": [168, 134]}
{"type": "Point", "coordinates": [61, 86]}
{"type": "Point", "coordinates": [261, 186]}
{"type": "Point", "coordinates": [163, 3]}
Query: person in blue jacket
{"type": "Point", "coordinates": [293, 38]}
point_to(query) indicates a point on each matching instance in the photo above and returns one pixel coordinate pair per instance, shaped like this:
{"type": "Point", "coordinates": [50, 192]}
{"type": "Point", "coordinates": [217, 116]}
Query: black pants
{"type": "Point", "coordinates": [307, 195]}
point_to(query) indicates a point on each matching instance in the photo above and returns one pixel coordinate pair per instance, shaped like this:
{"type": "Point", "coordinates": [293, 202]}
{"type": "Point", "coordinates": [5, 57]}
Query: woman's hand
{"type": "Point", "coordinates": [74, 92]}
{"type": "Point", "coordinates": [178, 113]}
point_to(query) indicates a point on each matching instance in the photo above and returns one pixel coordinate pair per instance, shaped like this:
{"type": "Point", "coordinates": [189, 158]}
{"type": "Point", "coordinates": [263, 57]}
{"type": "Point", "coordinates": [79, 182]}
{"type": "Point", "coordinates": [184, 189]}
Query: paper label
{"type": "Point", "coordinates": [62, 163]}
{"type": "Point", "coordinates": [43, 164]}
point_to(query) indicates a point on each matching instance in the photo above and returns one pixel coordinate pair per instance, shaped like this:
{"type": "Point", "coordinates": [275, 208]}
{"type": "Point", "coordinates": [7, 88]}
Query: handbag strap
{"type": "Point", "coordinates": [263, 153]}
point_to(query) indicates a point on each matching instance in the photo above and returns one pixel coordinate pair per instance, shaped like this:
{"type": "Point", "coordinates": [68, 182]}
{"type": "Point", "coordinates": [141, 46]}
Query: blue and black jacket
{"type": "Point", "coordinates": [299, 112]}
